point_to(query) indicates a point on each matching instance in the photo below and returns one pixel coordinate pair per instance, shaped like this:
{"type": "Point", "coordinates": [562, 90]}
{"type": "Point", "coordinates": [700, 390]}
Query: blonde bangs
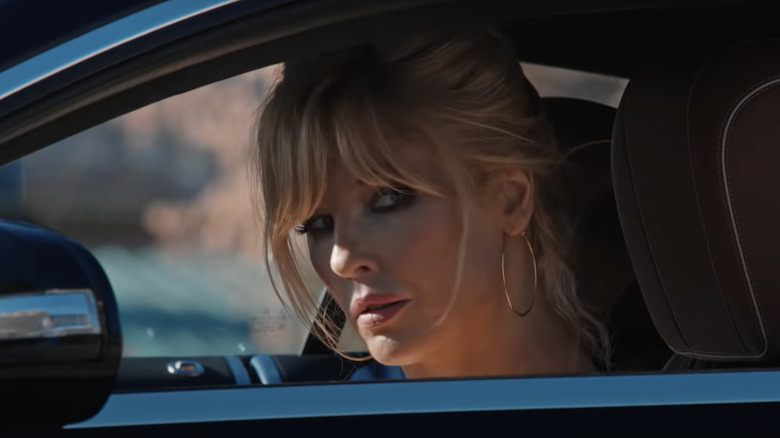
{"type": "Point", "coordinates": [366, 139]}
{"type": "Point", "coordinates": [300, 142]}
{"type": "Point", "coordinates": [338, 124]}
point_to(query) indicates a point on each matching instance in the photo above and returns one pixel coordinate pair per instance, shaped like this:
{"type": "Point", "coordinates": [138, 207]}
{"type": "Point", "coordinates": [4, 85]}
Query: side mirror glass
{"type": "Point", "coordinates": [49, 326]}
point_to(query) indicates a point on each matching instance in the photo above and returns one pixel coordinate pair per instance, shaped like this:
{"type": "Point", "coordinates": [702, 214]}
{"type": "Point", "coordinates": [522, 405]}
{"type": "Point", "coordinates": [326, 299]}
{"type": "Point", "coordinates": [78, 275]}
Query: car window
{"type": "Point", "coordinates": [161, 197]}
{"type": "Point", "coordinates": [561, 82]}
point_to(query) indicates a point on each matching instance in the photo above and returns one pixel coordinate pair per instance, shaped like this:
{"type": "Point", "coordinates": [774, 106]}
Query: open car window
{"type": "Point", "coordinates": [161, 197]}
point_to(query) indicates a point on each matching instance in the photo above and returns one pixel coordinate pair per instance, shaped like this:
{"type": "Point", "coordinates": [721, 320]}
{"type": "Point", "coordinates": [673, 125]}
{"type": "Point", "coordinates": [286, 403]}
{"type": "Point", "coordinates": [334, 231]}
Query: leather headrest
{"type": "Point", "coordinates": [696, 170]}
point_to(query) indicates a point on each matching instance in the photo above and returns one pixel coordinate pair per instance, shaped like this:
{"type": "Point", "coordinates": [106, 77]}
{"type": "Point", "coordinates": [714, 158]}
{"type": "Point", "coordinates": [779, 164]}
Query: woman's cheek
{"type": "Point", "coordinates": [429, 229]}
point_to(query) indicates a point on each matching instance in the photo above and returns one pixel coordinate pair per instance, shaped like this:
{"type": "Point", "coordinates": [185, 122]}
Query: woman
{"type": "Point", "coordinates": [423, 173]}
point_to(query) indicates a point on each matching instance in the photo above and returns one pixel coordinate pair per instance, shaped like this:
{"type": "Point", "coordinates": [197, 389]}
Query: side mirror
{"type": "Point", "coordinates": [51, 326]}
{"type": "Point", "coordinates": [60, 341]}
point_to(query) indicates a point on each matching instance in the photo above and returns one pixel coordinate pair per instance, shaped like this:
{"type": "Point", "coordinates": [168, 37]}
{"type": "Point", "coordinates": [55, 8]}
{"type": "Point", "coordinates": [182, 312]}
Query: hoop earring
{"type": "Point", "coordinates": [503, 277]}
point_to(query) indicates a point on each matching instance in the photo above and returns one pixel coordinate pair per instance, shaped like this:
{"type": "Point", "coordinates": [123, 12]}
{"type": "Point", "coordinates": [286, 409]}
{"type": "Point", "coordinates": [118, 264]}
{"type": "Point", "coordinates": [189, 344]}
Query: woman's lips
{"type": "Point", "coordinates": [372, 311]}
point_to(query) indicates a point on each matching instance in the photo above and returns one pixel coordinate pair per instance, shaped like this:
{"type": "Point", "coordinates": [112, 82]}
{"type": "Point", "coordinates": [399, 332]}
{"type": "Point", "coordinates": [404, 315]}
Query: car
{"type": "Point", "coordinates": [125, 328]}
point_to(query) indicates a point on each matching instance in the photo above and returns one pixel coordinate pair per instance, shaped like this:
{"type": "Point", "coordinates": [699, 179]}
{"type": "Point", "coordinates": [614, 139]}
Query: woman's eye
{"type": "Point", "coordinates": [389, 198]}
{"type": "Point", "coordinates": [316, 224]}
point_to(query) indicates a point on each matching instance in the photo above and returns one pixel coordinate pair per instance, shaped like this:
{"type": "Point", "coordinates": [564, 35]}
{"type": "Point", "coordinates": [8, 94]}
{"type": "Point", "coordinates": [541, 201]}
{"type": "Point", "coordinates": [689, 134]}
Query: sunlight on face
{"type": "Point", "coordinates": [389, 256]}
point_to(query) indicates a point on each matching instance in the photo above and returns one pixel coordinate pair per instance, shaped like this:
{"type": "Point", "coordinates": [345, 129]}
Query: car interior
{"type": "Point", "coordinates": [672, 190]}
{"type": "Point", "coordinates": [705, 271]}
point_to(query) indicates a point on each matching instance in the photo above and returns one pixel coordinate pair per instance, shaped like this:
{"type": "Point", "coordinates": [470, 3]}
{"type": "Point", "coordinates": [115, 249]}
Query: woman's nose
{"type": "Point", "coordinates": [351, 258]}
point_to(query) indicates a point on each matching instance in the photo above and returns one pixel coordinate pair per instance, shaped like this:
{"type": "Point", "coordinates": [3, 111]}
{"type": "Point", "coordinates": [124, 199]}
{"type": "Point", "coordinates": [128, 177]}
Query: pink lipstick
{"type": "Point", "coordinates": [374, 310]}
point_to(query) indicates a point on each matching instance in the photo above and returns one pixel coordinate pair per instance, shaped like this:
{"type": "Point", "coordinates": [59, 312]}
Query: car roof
{"type": "Point", "coordinates": [32, 31]}
{"type": "Point", "coordinates": [593, 22]}
{"type": "Point", "coordinates": [232, 37]}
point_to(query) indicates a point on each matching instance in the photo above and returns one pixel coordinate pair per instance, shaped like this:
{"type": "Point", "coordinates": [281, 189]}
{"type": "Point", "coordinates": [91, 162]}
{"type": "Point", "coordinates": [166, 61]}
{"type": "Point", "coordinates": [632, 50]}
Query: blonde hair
{"type": "Point", "coordinates": [344, 105]}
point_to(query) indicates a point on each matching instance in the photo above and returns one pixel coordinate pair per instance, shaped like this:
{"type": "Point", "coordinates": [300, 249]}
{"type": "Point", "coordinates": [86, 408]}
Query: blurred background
{"type": "Point", "coordinates": [161, 197]}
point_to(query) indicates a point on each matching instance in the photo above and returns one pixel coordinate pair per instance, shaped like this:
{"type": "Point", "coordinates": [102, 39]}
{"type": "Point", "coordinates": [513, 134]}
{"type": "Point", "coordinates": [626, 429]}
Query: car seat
{"type": "Point", "coordinates": [605, 277]}
{"type": "Point", "coordinates": [696, 161]}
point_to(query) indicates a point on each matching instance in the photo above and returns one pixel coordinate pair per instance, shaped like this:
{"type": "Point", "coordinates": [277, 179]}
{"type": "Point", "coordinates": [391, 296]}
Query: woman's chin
{"type": "Point", "coordinates": [389, 351]}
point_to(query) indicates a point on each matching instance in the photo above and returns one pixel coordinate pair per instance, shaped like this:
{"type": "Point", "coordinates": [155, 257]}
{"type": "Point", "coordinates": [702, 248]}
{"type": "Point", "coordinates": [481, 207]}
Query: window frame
{"type": "Point", "coordinates": [512, 394]}
{"type": "Point", "coordinates": [65, 96]}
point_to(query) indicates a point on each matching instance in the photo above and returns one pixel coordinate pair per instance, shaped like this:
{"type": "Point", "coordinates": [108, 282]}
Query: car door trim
{"type": "Point", "coordinates": [435, 396]}
{"type": "Point", "coordinates": [237, 368]}
{"type": "Point", "coordinates": [266, 369]}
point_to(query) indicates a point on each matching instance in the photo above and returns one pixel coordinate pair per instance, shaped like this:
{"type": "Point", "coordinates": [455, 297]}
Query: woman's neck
{"type": "Point", "coordinates": [501, 343]}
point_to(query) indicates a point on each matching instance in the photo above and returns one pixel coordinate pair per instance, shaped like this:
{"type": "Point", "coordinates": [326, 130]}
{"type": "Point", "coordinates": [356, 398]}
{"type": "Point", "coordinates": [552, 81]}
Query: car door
{"type": "Point", "coordinates": [198, 312]}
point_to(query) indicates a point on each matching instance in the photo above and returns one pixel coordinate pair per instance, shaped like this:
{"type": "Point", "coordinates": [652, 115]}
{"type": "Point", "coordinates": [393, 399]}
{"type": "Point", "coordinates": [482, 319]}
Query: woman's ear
{"type": "Point", "coordinates": [517, 188]}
